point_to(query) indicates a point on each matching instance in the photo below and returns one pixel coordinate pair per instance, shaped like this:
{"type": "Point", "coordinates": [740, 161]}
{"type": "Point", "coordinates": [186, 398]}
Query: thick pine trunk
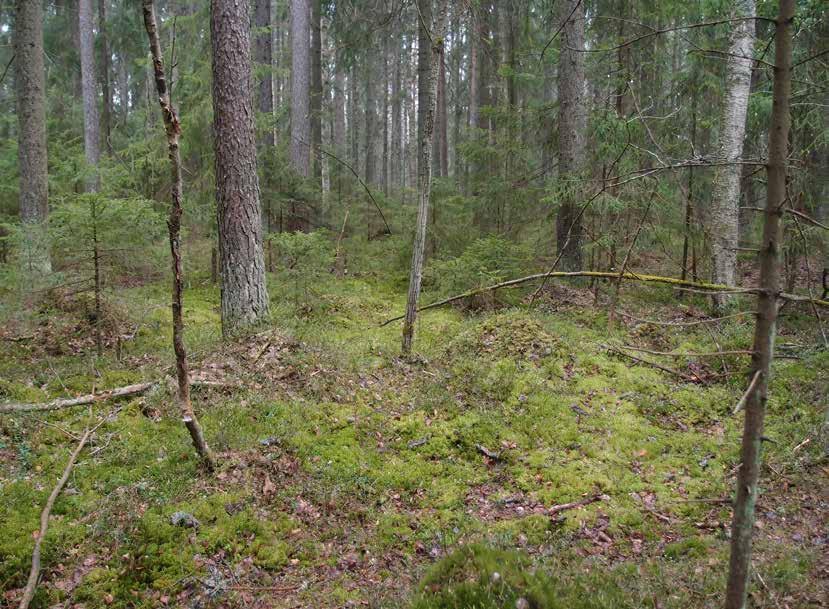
{"type": "Point", "coordinates": [723, 230]}
{"type": "Point", "coordinates": [30, 89]}
{"type": "Point", "coordinates": [244, 292]}
{"type": "Point", "coordinates": [572, 121]}
{"type": "Point", "coordinates": [91, 127]}
{"type": "Point", "coordinates": [428, 62]}
{"type": "Point", "coordinates": [173, 130]}
{"type": "Point", "coordinates": [765, 329]}
{"type": "Point", "coordinates": [300, 87]}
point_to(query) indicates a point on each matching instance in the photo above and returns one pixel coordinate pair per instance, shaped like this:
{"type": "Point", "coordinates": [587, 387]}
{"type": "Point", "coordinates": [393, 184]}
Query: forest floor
{"type": "Point", "coordinates": [351, 478]}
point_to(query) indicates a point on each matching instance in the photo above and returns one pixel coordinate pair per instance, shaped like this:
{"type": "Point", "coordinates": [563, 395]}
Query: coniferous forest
{"type": "Point", "coordinates": [416, 304]}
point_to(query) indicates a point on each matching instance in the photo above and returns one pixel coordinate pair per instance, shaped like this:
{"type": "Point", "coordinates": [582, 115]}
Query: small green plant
{"type": "Point", "coordinates": [303, 259]}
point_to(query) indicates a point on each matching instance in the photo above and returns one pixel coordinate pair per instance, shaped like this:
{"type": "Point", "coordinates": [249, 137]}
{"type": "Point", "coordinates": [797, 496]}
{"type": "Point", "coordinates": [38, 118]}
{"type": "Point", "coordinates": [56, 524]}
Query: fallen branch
{"type": "Point", "coordinates": [755, 379]}
{"type": "Point", "coordinates": [677, 373]}
{"type": "Point", "coordinates": [696, 322]}
{"type": "Point", "coordinates": [120, 392]}
{"type": "Point", "coordinates": [692, 354]}
{"type": "Point", "coordinates": [556, 509]}
{"type": "Point", "coordinates": [34, 572]}
{"type": "Point", "coordinates": [708, 288]}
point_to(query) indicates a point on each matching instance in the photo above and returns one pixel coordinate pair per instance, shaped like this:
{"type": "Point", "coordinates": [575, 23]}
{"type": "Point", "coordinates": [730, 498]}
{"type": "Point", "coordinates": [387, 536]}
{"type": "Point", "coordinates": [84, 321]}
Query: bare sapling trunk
{"type": "Point", "coordinates": [427, 81]}
{"type": "Point", "coordinates": [173, 130]}
{"type": "Point", "coordinates": [765, 328]}
{"type": "Point", "coordinates": [30, 89]}
{"type": "Point", "coordinates": [725, 200]}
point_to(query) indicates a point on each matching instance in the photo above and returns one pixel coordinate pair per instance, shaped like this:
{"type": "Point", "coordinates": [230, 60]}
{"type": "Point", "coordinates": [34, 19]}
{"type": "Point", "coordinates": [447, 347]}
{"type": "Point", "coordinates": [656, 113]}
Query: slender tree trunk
{"type": "Point", "coordinates": [91, 128]}
{"type": "Point", "coordinates": [370, 83]}
{"type": "Point", "coordinates": [725, 200]}
{"type": "Point", "coordinates": [316, 89]}
{"type": "Point", "coordinates": [300, 87]}
{"type": "Point", "coordinates": [173, 130]}
{"type": "Point", "coordinates": [572, 120]}
{"type": "Point", "coordinates": [339, 110]}
{"type": "Point", "coordinates": [427, 83]}
{"type": "Point", "coordinates": [765, 329]}
{"type": "Point", "coordinates": [96, 277]}
{"type": "Point", "coordinates": [396, 161]}
{"type": "Point", "coordinates": [443, 123]}
{"type": "Point", "coordinates": [244, 291]}
{"type": "Point", "coordinates": [106, 108]}
{"type": "Point", "coordinates": [263, 56]}
{"type": "Point", "coordinates": [353, 104]}
{"type": "Point", "coordinates": [30, 89]}
{"type": "Point", "coordinates": [384, 111]}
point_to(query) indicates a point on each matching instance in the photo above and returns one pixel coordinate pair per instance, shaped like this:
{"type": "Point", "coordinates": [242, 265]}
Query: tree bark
{"type": "Point", "coordinates": [30, 89]}
{"type": "Point", "coordinates": [243, 287]}
{"type": "Point", "coordinates": [106, 108]}
{"type": "Point", "coordinates": [316, 89]}
{"type": "Point", "coordinates": [572, 120]}
{"type": "Point", "coordinates": [263, 56]}
{"type": "Point", "coordinates": [427, 83]}
{"type": "Point", "coordinates": [765, 329]}
{"type": "Point", "coordinates": [725, 200]}
{"type": "Point", "coordinates": [300, 88]}
{"type": "Point", "coordinates": [91, 127]}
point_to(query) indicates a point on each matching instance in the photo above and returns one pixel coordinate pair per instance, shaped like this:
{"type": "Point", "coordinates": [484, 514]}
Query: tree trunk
{"type": "Point", "coordinates": [91, 133]}
{"type": "Point", "coordinates": [244, 292]}
{"type": "Point", "coordinates": [724, 217]}
{"type": "Point", "coordinates": [300, 88]}
{"type": "Point", "coordinates": [370, 83]}
{"type": "Point", "coordinates": [428, 64]}
{"type": "Point", "coordinates": [339, 110]}
{"type": "Point", "coordinates": [30, 88]}
{"type": "Point", "coordinates": [396, 161]}
{"type": "Point", "coordinates": [173, 130]}
{"type": "Point", "coordinates": [263, 56]}
{"type": "Point", "coordinates": [106, 108]}
{"type": "Point", "coordinates": [765, 329]}
{"type": "Point", "coordinates": [316, 89]}
{"type": "Point", "coordinates": [443, 123]}
{"type": "Point", "coordinates": [572, 121]}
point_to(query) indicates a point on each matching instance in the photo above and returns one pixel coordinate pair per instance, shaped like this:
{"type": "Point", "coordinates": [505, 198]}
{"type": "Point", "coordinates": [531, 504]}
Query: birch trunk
{"type": "Point", "coordinates": [765, 328]}
{"type": "Point", "coordinates": [427, 81]}
{"type": "Point", "coordinates": [30, 89]}
{"type": "Point", "coordinates": [724, 218]}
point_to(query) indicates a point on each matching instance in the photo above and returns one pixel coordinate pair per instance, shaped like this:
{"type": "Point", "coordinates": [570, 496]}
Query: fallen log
{"type": "Point", "coordinates": [708, 288]}
{"type": "Point", "coordinates": [91, 398]}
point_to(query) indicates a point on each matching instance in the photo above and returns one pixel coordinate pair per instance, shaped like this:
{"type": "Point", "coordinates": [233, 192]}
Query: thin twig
{"type": "Point", "coordinates": [751, 386]}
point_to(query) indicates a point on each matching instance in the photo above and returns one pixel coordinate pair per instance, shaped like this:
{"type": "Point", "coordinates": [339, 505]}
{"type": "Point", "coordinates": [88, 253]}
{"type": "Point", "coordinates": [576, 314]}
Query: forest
{"type": "Point", "coordinates": [414, 304]}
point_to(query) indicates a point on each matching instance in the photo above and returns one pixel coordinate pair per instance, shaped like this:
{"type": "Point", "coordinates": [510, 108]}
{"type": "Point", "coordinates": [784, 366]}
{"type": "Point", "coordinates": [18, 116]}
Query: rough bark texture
{"type": "Point", "coordinates": [316, 89]}
{"type": "Point", "coordinates": [572, 125]}
{"type": "Point", "coordinates": [442, 119]}
{"type": "Point", "coordinates": [396, 162]}
{"type": "Point", "coordinates": [91, 128]}
{"type": "Point", "coordinates": [300, 87]}
{"type": "Point", "coordinates": [172, 128]}
{"type": "Point", "coordinates": [474, 71]}
{"type": "Point", "coordinates": [244, 292]}
{"type": "Point", "coordinates": [425, 95]}
{"type": "Point", "coordinates": [427, 81]}
{"type": "Point", "coordinates": [263, 56]}
{"type": "Point", "coordinates": [106, 107]}
{"type": "Point", "coordinates": [30, 88]}
{"type": "Point", "coordinates": [765, 329]}
{"type": "Point", "coordinates": [725, 200]}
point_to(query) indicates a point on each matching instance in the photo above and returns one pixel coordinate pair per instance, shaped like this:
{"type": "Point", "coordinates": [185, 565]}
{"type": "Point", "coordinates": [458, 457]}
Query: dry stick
{"type": "Point", "coordinates": [809, 279]}
{"type": "Point", "coordinates": [34, 572]}
{"type": "Point", "coordinates": [686, 323]}
{"type": "Point", "coordinates": [751, 386]}
{"type": "Point", "coordinates": [78, 401]}
{"type": "Point", "coordinates": [611, 319]}
{"type": "Point", "coordinates": [684, 377]}
{"type": "Point", "coordinates": [674, 354]}
{"type": "Point", "coordinates": [796, 214]}
{"type": "Point", "coordinates": [706, 288]}
{"type": "Point", "coordinates": [575, 504]}
{"type": "Point", "coordinates": [339, 241]}
{"type": "Point", "coordinates": [172, 128]}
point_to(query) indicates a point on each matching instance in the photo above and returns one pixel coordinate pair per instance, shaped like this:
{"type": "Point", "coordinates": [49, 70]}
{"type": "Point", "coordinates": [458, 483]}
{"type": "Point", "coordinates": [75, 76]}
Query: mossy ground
{"type": "Point", "coordinates": [346, 472]}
